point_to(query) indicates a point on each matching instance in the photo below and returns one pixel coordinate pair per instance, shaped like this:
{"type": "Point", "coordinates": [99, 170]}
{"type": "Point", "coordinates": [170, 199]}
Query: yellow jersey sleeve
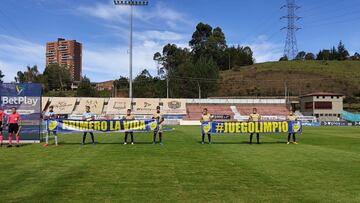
{"type": "Point", "coordinates": [292, 118]}
{"type": "Point", "coordinates": [131, 117]}
{"type": "Point", "coordinates": [158, 116]}
{"type": "Point", "coordinates": [255, 117]}
{"type": "Point", "coordinates": [206, 117]}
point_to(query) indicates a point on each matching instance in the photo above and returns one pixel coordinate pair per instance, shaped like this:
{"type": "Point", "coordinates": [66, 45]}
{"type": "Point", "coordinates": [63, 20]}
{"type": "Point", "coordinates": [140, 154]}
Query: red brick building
{"type": "Point", "coordinates": [107, 85]}
{"type": "Point", "coordinates": [68, 53]}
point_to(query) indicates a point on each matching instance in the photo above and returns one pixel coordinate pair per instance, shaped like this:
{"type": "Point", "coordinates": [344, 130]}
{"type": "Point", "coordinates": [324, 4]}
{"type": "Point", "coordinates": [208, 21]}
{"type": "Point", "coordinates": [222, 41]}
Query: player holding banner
{"type": "Point", "coordinates": [88, 116]}
{"type": "Point", "coordinates": [255, 117]}
{"type": "Point", "coordinates": [160, 119]}
{"type": "Point", "coordinates": [129, 117]}
{"type": "Point", "coordinates": [291, 117]}
{"type": "Point", "coordinates": [14, 127]}
{"type": "Point", "coordinates": [50, 115]}
{"type": "Point", "coordinates": [205, 117]}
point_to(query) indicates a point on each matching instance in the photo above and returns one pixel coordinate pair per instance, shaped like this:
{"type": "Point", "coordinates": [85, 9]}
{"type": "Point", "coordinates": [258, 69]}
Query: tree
{"type": "Point", "coordinates": [324, 54]}
{"type": "Point", "coordinates": [309, 56]}
{"type": "Point", "coordinates": [217, 39]}
{"type": "Point", "coordinates": [334, 55]}
{"type": "Point", "coordinates": [342, 53]}
{"type": "Point", "coordinates": [57, 77]}
{"type": "Point", "coordinates": [237, 56]}
{"type": "Point", "coordinates": [208, 42]}
{"type": "Point", "coordinates": [146, 86]}
{"type": "Point", "coordinates": [30, 75]}
{"type": "Point", "coordinates": [284, 58]}
{"type": "Point", "coordinates": [85, 88]}
{"type": "Point", "coordinates": [300, 56]}
{"type": "Point", "coordinates": [157, 58]}
{"type": "Point", "coordinates": [209, 53]}
{"type": "Point", "coordinates": [200, 37]}
{"type": "Point", "coordinates": [20, 77]}
{"type": "Point", "coordinates": [121, 83]}
{"type": "Point", "coordinates": [356, 56]}
{"type": "Point", "coordinates": [204, 76]}
{"type": "Point", "coordinates": [1, 77]}
{"type": "Point", "coordinates": [215, 46]}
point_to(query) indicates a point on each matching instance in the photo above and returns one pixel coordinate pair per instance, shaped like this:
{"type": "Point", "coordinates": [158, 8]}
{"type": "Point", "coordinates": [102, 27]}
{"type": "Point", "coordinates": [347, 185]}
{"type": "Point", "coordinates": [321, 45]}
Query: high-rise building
{"type": "Point", "coordinates": [66, 53]}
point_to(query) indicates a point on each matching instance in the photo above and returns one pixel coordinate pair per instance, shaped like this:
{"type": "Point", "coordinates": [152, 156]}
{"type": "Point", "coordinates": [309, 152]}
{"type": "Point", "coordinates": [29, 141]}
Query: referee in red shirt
{"type": "Point", "coordinates": [13, 124]}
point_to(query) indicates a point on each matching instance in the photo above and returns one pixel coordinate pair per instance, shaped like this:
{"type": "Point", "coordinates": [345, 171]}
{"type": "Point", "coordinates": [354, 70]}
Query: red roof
{"type": "Point", "coordinates": [322, 94]}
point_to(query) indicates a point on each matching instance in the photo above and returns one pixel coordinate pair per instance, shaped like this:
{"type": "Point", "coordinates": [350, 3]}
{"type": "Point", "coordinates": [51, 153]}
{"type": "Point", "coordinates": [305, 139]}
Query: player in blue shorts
{"type": "Point", "coordinates": [88, 116]}
{"type": "Point", "coordinates": [50, 115]}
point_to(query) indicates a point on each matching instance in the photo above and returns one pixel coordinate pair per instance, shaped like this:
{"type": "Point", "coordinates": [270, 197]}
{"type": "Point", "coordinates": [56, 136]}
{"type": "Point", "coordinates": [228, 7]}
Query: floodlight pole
{"type": "Point", "coordinates": [131, 3]}
{"type": "Point", "coordinates": [131, 58]}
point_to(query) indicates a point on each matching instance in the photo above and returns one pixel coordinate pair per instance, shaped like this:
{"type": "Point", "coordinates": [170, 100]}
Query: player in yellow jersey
{"type": "Point", "coordinates": [129, 117]}
{"type": "Point", "coordinates": [291, 117]}
{"type": "Point", "coordinates": [254, 117]}
{"type": "Point", "coordinates": [205, 117]}
{"type": "Point", "coordinates": [160, 119]}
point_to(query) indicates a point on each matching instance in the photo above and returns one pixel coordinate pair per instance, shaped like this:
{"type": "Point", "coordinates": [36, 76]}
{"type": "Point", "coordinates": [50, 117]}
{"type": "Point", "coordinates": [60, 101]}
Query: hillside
{"type": "Point", "coordinates": [300, 77]}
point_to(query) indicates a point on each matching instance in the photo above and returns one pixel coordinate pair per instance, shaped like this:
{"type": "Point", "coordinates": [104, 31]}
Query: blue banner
{"type": "Point", "coordinates": [335, 123]}
{"type": "Point", "coordinates": [27, 99]}
{"type": "Point", "coordinates": [313, 124]}
{"type": "Point", "coordinates": [102, 125]}
{"type": "Point", "coordinates": [273, 127]}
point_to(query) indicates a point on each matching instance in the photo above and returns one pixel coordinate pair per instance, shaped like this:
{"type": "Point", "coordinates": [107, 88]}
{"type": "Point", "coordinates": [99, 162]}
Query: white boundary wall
{"type": "Point", "coordinates": [236, 101]}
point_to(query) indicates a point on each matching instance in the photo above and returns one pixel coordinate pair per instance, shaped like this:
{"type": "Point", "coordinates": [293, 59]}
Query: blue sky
{"type": "Point", "coordinates": [25, 27]}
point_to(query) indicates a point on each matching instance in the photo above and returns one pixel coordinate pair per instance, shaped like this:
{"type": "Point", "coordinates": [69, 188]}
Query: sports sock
{"type": "Point", "coordinates": [92, 137]}
{"type": "Point", "coordinates": [289, 136]}
{"type": "Point", "coordinates": [132, 137]}
{"type": "Point", "coordinates": [160, 137]}
{"type": "Point", "coordinates": [47, 138]}
{"type": "Point", "coordinates": [1, 138]}
{"type": "Point", "coordinates": [84, 137]}
{"type": "Point", "coordinates": [203, 137]}
{"type": "Point", "coordinates": [294, 137]}
{"type": "Point", "coordinates": [125, 139]}
{"type": "Point", "coordinates": [55, 137]}
{"type": "Point", "coordinates": [209, 137]}
{"type": "Point", "coordinates": [154, 139]}
{"type": "Point", "coordinates": [17, 139]}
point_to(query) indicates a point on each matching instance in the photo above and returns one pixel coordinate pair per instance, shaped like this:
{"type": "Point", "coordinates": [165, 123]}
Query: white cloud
{"type": "Point", "coordinates": [106, 12]}
{"type": "Point", "coordinates": [158, 14]}
{"type": "Point", "coordinates": [16, 54]}
{"type": "Point", "coordinates": [264, 50]}
{"type": "Point", "coordinates": [109, 63]}
{"type": "Point", "coordinates": [112, 60]}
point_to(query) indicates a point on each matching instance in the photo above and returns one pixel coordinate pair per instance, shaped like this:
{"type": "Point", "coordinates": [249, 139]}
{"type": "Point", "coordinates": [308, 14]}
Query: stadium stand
{"type": "Point", "coordinates": [176, 111]}
{"type": "Point", "coordinates": [44, 103]}
{"type": "Point", "coordinates": [173, 106]}
{"type": "Point", "coordinates": [194, 111]}
{"type": "Point", "coordinates": [63, 105]}
{"type": "Point", "coordinates": [265, 110]}
{"type": "Point", "coordinates": [145, 106]}
{"type": "Point", "coordinates": [96, 105]}
{"type": "Point", "coordinates": [117, 106]}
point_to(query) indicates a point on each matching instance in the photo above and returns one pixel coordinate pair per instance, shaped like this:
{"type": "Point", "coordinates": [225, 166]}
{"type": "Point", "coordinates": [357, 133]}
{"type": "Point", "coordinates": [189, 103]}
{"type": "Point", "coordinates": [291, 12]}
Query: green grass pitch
{"type": "Point", "coordinates": [324, 167]}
